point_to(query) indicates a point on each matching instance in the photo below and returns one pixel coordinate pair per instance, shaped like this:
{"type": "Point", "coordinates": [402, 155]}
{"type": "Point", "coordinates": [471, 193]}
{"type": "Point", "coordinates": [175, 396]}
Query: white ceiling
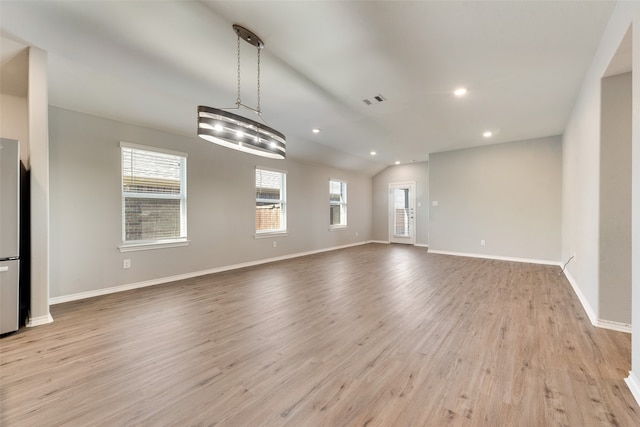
{"type": "Point", "coordinates": [152, 63]}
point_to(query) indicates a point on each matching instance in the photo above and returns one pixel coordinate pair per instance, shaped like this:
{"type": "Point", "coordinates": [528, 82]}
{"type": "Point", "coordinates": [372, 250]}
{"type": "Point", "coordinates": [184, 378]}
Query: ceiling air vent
{"type": "Point", "coordinates": [374, 100]}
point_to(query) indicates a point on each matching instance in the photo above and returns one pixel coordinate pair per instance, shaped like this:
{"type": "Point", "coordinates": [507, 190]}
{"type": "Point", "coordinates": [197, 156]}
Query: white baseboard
{"type": "Point", "coordinates": [40, 320]}
{"type": "Point", "coordinates": [634, 385]}
{"type": "Point", "coordinates": [593, 318]}
{"type": "Point", "coordinates": [386, 242]}
{"type": "Point", "coordinates": [614, 326]}
{"type": "Point", "coordinates": [161, 280]}
{"type": "Point", "coordinates": [591, 314]}
{"type": "Point", "coordinates": [500, 258]}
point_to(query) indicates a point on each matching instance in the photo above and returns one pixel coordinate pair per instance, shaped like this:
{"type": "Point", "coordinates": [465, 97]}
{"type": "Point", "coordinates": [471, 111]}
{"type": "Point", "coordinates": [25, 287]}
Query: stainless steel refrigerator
{"type": "Point", "coordinates": [9, 234]}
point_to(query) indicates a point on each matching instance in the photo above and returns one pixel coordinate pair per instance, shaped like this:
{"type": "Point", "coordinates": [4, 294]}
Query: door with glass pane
{"type": "Point", "coordinates": [402, 223]}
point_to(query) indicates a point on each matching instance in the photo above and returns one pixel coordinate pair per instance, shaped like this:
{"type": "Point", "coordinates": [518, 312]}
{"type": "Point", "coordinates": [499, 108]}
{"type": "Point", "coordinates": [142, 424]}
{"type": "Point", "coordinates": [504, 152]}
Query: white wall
{"type": "Point", "coordinates": [38, 102]}
{"type": "Point", "coordinates": [413, 172]}
{"type": "Point", "coordinates": [14, 122]}
{"type": "Point", "coordinates": [581, 177]}
{"type": "Point", "coordinates": [634, 375]}
{"type": "Point", "coordinates": [86, 207]}
{"type": "Point", "coordinates": [615, 200]}
{"type": "Point", "coordinates": [508, 195]}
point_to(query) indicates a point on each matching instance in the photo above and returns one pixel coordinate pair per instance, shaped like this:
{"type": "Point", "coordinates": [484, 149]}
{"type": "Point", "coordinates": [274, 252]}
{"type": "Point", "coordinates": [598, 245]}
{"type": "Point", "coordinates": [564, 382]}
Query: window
{"type": "Point", "coordinates": [154, 196]}
{"type": "Point", "coordinates": [271, 201]}
{"type": "Point", "coordinates": [337, 204]}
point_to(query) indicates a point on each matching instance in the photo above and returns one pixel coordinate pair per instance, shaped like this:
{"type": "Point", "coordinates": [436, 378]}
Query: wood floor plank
{"type": "Point", "coordinates": [375, 335]}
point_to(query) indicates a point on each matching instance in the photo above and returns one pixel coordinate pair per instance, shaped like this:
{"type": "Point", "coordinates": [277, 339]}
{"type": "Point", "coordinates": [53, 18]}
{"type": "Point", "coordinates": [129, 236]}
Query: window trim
{"type": "Point", "coordinates": [159, 244]}
{"type": "Point", "coordinates": [281, 232]}
{"type": "Point", "coordinates": [269, 234]}
{"type": "Point", "coordinates": [344, 226]}
{"type": "Point", "coordinates": [141, 245]}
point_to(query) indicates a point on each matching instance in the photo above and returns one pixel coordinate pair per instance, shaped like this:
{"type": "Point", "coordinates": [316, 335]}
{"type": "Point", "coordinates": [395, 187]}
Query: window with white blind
{"type": "Point", "coordinates": [271, 201]}
{"type": "Point", "coordinates": [337, 204]}
{"type": "Point", "coordinates": [154, 196]}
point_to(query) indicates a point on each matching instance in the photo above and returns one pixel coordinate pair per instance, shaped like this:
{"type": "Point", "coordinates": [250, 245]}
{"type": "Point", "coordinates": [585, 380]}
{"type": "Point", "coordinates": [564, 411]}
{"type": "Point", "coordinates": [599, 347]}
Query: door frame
{"type": "Point", "coordinates": [411, 240]}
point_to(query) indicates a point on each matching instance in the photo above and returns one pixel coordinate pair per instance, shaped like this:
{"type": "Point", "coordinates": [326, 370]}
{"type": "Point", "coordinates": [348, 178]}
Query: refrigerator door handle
{"type": "Point", "coordinates": [5, 268]}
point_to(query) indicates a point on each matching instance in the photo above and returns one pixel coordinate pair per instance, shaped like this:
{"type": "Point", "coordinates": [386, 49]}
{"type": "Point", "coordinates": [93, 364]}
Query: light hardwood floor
{"type": "Point", "coordinates": [376, 335]}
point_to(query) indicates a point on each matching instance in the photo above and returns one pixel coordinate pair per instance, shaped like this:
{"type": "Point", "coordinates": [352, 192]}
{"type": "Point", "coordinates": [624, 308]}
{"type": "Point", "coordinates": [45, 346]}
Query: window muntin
{"type": "Point", "coordinates": [271, 201]}
{"type": "Point", "coordinates": [154, 195]}
{"type": "Point", "coordinates": [337, 203]}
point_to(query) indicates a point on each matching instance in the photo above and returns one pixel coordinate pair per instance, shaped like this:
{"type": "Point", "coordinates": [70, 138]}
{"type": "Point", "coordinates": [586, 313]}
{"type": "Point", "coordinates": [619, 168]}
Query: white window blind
{"type": "Point", "coordinates": [271, 212]}
{"type": "Point", "coordinates": [154, 195]}
{"type": "Point", "coordinates": [337, 203]}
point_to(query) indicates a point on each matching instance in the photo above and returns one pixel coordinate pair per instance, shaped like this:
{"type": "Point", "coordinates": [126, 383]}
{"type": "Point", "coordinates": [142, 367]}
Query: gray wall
{"type": "Point", "coordinates": [581, 177]}
{"type": "Point", "coordinates": [413, 172]}
{"type": "Point", "coordinates": [615, 199]}
{"type": "Point", "coordinates": [506, 194]}
{"type": "Point", "coordinates": [86, 206]}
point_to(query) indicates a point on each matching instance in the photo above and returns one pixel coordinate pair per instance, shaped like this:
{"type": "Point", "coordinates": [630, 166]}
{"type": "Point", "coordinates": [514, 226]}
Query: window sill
{"type": "Point", "coordinates": [338, 228]}
{"type": "Point", "coordinates": [270, 234]}
{"type": "Point", "coordinates": [132, 247]}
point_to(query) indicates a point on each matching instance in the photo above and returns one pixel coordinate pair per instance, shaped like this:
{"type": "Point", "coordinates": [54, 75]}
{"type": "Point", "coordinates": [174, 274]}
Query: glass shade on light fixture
{"type": "Point", "coordinates": [239, 133]}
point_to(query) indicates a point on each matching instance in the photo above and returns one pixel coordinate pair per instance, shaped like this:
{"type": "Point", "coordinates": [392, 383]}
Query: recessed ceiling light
{"type": "Point", "coordinates": [461, 91]}
{"type": "Point", "coordinates": [316, 130]}
{"type": "Point", "coordinates": [373, 153]}
{"type": "Point", "coordinates": [488, 134]}
{"type": "Point", "coordinates": [397, 162]}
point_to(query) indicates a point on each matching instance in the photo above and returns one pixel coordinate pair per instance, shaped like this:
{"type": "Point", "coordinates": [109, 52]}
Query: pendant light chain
{"type": "Point", "coordinates": [238, 100]}
{"type": "Point", "coordinates": [259, 80]}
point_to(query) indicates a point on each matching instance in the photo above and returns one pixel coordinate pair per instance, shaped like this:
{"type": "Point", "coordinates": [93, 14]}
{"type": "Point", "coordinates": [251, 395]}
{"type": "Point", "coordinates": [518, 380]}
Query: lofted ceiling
{"type": "Point", "coordinates": [151, 63]}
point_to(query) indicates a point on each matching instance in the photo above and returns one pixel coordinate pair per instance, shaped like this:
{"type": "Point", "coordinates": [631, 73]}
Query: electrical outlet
{"type": "Point", "coordinates": [275, 244]}
{"type": "Point", "coordinates": [356, 234]}
{"type": "Point", "coordinates": [483, 242]}
{"type": "Point", "coordinates": [126, 263]}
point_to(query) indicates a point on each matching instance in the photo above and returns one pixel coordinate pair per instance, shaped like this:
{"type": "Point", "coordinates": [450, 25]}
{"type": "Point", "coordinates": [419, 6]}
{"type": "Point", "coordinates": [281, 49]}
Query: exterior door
{"type": "Point", "coordinates": [402, 204]}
